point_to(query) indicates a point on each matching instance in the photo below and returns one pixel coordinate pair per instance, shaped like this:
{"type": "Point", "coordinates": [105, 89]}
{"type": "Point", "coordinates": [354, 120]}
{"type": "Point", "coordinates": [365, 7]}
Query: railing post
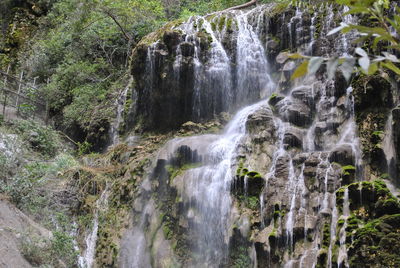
{"type": "Point", "coordinates": [5, 104]}
{"type": "Point", "coordinates": [19, 91]}
{"type": "Point", "coordinates": [5, 93]}
{"type": "Point", "coordinates": [46, 120]}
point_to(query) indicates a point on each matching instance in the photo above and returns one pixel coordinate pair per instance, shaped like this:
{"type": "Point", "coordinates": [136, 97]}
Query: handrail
{"type": "Point", "coordinates": [14, 86]}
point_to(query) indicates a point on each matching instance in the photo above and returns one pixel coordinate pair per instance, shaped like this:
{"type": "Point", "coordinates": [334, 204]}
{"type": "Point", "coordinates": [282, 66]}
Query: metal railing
{"type": "Point", "coordinates": [20, 98]}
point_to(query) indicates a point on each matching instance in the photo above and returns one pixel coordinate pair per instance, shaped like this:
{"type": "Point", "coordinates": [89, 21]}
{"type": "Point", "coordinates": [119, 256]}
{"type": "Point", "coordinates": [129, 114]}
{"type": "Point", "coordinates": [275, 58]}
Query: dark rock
{"type": "Point", "coordinates": [187, 49]}
{"type": "Point", "coordinates": [303, 93]}
{"type": "Point", "coordinates": [299, 158]}
{"type": "Point", "coordinates": [172, 40]}
{"type": "Point", "coordinates": [295, 112]}
{"type": "Point", "coordinates": [343, 155]}
{"type": "Point", "coordinates": [248, 182]}
{"type": "Point", "coordinates": [293, 138]}
{"type": "Point", "coordinates": [274, 99]}
{"type": "Point", "coordinates": [260, 120]}
{"type": "Point", "coordinates": [282, 167]}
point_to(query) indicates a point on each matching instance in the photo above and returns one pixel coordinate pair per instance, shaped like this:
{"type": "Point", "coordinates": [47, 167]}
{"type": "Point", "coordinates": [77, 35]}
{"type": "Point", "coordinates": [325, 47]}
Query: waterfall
{"type": "Point", "coordinates": [389, 148]}
{"type": "Point", "coordinates": [252, 71]}
{"type": "Point", "coordinates": [305, 136]}
{"type": "Point", "coordinates": [119, 103]}
{"type": "Point", "coordinates": [342, 258]}
{"type": "Point", "coordinates": [209, 186]}
{"type": "Point", "coordinates": [88, 258]}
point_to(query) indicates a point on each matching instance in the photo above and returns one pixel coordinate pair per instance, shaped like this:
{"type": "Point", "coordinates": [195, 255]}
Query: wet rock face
{"type": "Point", "coordinates": [373, 225]}
{"type": "Point", "coordinates": [396, 139]}
{"type": "Point", "coordinates": [195, 71]}
{"type": "Point", "coordinates": [343, 155]}
{"type": "Point", "coordinates": [162, 99]}
{"type": "Point", "coordinates": [297, 150]}
{"type": "Point", "coordinates": [373, 100]}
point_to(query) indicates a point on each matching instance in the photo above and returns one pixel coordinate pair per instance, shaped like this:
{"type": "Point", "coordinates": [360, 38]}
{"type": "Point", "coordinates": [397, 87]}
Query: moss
{"type": "Point", "coordinates": [221, 23]}
{"type": "Point", "coordinates": [370, 199]}
{"type": "Point", "coordinates": [174, 171]}
{"type": "Point", "coordinates": [377, 243]}
{"type": "Point", "coordinates": [229, 24]}
{"type": "Point", "coordinates": [340, 223]}
{"type": "Point", "coordinates": [273, 238]}
{"type": "Point", "coordinates": [253, 175]}
{"type": "Point", "coordinates": [157, 35]}
{"type": "Point", "coordinates": [273, 96]}
{"type": "Point", "coordinates": [322, 258]}
{"type": "Point", "coordinates": [240, 258]}
{"type": "Point", "coordinates": [348, 169]}
{"type": "Point", "coordinates": [251, 202]}
{"type": "Point", "coordinates": [167, 232]}
{"type": "Point", "coordinates": [326, 235]}
{"type": "Point", "coordinates": [213, 26]}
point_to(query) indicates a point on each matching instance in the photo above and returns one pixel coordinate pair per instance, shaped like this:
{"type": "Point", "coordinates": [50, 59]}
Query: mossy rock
{"type": "Point", "coordinates": [377, 244]}
{"type": "Point", "coordinates": [370, 199]}
{"type": "Point", "coordinates": [248, 182]}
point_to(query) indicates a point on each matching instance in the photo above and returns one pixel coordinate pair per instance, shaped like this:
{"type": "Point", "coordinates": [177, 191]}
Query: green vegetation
{"type": "Point", "coordinates": [78, 52]}
{"type": "Point", "coordinates": [240, 257]}
{"type": "Point", "coordinates": [44, 253]}
{"type": "Point", "coordinates": [41, 138]}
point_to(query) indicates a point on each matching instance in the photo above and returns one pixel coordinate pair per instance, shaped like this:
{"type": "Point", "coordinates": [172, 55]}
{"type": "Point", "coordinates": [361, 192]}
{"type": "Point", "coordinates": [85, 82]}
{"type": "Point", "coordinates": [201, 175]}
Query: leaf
{"type": "Point", "coordinates": [300, 71]}
{"type": "Point", "coordinates": [296, 56]}
{"type": "Point", "coordinates": [356, 10]}
{"type": "Point", "coordinates": [338, 29]}
{"type": "Point", "coordinates": [391, 57]}
{"type": "Point", "coordinates": [331, 66]}
{"type": "Point", "coordinates": [378, 59]}
{"type": "Point", "coordinates": [389, 65]}
{"type": "Point", "coordinates": [364, 63]}
{"type": "Point", "coordinates": [361, 52]}
{"type": "Point", "coordinates": [373, 68]}
{"type": "Point", "coordinates": [314, 64]}
{"type": "Point", "coordinates": [347, 68]}
{"type": "Point", "coordinates": [376, 41]}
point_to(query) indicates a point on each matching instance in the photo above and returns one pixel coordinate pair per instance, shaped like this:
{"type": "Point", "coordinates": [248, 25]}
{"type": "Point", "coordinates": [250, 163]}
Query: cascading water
{"type": "Point", "coordinates": [87, 259]}
{"type": "Point", "coordinates": [209, 186]}
{"type": "Point", "coordinates": [309, 133]}
{"type": "Point", "coordinates": [342, 258]}
{"type": "Point", "coordinates": [389, 148]}
{"type": "Point", "coordinates": [119, 103]}
{"type": "Point", "coordinates": [252, 72]}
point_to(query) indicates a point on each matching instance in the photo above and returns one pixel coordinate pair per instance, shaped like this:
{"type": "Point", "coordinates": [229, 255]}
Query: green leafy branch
{"type": "Point", "coordinates": [383, 34]}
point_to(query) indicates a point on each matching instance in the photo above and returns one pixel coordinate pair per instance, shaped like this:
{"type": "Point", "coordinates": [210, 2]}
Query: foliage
{"type": "Point", "coordinates": [42, 252]}
{"type": "Point", "coordinates": [80, 53]}
{"type": "Point", "coordinates": [41, 138]}
{"type": "Point", "coordinates": [25, 188]}
{"type": "Point", "coordinates": [83, 148]}
{"type": "Point", "coordinates": [380, 37]}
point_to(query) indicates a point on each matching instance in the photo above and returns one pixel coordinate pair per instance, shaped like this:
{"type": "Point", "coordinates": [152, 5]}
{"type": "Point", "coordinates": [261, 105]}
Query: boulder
{"type": "Point", "coordinates": [260, 120]}
{"type": "Point", "coordinates": [187, 49]}
{"type": "Point", "coordinates": [295, 112]}
{"type": "Point", "coordinates": [282, 167]}
{"type": "Point", "coordinates": [343, 154]}
{"type": "Point", "coordinates": [303, 93]}
{"type": "Point", "coordinates": [172, 40]}
{"type": "Point", "coordinates": [293, 138]}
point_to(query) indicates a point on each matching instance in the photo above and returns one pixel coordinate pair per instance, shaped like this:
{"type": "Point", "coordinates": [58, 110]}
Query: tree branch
{"type": "Point", "coordinates": [127, 36]}
{"type": "Point", "coordinates": [248, 4]}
